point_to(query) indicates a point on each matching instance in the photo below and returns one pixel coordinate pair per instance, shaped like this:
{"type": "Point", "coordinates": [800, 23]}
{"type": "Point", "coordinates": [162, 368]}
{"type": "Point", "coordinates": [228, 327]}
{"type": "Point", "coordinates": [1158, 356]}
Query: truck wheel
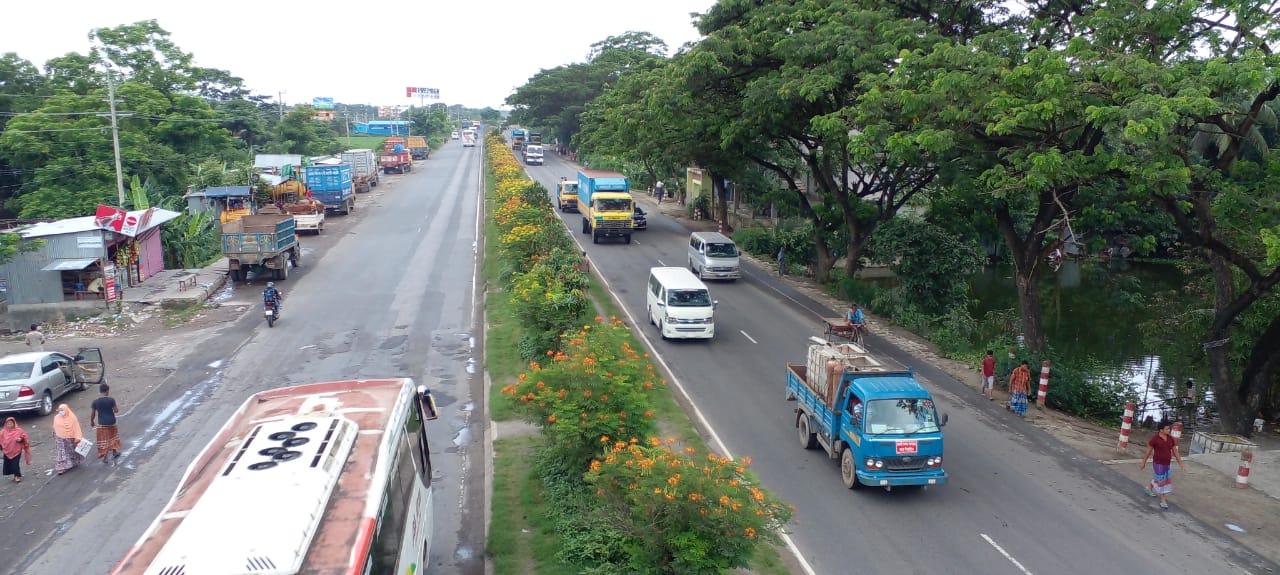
{"type": "Point", "coordinates": [661, 332]}
{"type": "Point", "coordinates": [848, 470]}
{"type": "Point", "coordinates": [586, 226]}
{"type": "Point", "coordinates": [807, 439]}
{"type": "Point", "coordinates": [627, 238]}
{"type": "Point", "coordinates": [595, 238]}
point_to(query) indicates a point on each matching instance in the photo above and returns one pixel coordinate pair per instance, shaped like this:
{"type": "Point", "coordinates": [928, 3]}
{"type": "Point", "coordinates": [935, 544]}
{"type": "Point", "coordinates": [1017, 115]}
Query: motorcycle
{"type": "Point", "coordinates": [272, 312]}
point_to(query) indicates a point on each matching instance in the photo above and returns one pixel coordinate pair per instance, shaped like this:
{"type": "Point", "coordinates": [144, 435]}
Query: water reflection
{"type": "Point", "coordinates": [1095, 309]}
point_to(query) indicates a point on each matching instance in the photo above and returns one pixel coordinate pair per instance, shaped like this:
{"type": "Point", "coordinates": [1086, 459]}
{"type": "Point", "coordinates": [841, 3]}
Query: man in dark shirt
{"type": "Point", "coordinates": [103, 419]}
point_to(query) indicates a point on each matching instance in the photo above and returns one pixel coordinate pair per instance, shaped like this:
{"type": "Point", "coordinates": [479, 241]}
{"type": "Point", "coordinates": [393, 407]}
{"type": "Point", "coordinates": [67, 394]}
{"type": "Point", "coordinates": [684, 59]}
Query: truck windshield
{"type": "Point", "coordinates": [901, 416]}
{"type": "Point", "coordinates": [569, 188]}
{"type": "Point", "coordinates": [722, 250]}
{"type": "Point", "coordinates": [613, 205]}
{"type": "Point", "coordinates": [688, 298]}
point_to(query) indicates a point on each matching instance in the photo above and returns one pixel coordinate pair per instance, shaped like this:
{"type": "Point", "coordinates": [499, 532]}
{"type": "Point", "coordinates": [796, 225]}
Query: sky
{"type": "Point", "coordinates": [475, 52]}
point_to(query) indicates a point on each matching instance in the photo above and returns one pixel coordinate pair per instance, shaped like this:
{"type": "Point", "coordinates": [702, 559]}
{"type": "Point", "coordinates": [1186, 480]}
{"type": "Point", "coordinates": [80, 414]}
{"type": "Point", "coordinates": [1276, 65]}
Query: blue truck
{"type": "Point", "coordinates": [881, 425]}
{"type": "Point", "coordinates": [604, 200]}
{"type": "Point", "coordinates": [265, 244]}
{"type": "Point", "coordinates": [332, 186]}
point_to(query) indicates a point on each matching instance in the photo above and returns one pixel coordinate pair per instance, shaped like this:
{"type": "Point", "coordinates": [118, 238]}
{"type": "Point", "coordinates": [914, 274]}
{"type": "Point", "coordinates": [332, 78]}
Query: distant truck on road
{"type": "Point", "coordinates": [567, 195]}
{"type": "Point", "coordinates": [395, 157]}
{"type": "Point", "coordinates": [604, 200]}
{"type": "Point", "coordinates": [364, 169]}
{"type": "Point", "coordinates": [418, 148]}
{"type": "Point", "coordinates": [882, 425]}
{"type": "Point", "coordinates": [517, 139]}
{"type": "Point", "coordinates": [261, 243]}
{"type": "Point", "coordinates": [332, 186]}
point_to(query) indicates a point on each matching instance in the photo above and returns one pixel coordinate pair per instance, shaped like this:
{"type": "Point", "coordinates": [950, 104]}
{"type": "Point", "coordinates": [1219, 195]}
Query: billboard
{"type": "Point", "coordinates": [322, 103]}
{"type": "Point", "coordinates": [433, 93]}
{"type": "Point", "coordinates": [122, 222]}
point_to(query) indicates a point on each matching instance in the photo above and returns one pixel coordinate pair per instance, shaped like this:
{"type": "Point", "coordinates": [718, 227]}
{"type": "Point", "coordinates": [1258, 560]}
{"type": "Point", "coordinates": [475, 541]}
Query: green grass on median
{"type": "Point", "coordinates": [521, 538]}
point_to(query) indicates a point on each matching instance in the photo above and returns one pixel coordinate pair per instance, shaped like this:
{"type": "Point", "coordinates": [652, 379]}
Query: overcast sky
{"type": "Point", "coordinates": [474, 51]}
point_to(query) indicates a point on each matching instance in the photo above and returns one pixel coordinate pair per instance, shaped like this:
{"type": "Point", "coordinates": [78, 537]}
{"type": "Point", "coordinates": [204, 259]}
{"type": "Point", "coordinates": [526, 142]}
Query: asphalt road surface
{"type": "Point", "coordinates": [386, 292]}
{"type": "Point", "coordinates": [1017, 502]}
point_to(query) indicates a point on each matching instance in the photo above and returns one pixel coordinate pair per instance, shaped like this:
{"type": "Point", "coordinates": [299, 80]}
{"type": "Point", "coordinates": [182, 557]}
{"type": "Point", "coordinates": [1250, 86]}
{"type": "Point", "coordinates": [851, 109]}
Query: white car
{"type": "Point", "coordinates": [454, 135]}
{"type": "Point", "coordinates": [468, 142]}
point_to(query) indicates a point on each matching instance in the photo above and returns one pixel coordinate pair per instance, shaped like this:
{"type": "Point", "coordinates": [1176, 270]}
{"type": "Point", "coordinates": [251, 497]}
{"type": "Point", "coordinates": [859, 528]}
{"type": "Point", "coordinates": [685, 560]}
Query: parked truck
{"type": "Point", "coordinates": [364, 169]}
{"type": "Point", "coordinates": [261, 243]}
{"type": "Point", "coordinates": [292, 198]}
{"type": "Point", "coordinates": [604, 200]}
{"type": "Point", "coordinates": [418, 148]}
{"type": "Point", "coordinates": [332, 186]}
{"type": "Point", "coordinates": [395, 157]}
{"type": "Point", "coordinates": [882, 425]}
{"type": "Point", "coordinates": [533, 155]}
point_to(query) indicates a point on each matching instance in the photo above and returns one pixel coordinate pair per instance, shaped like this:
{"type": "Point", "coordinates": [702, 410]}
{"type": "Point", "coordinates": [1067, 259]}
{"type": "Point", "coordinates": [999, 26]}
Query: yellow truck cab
{"type": "Point", "coordinates": [567, 195]}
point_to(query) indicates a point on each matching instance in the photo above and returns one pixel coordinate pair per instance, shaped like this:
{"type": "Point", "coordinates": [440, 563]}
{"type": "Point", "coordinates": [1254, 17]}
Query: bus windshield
{"type": "Point", "coordinates": [901, 416]}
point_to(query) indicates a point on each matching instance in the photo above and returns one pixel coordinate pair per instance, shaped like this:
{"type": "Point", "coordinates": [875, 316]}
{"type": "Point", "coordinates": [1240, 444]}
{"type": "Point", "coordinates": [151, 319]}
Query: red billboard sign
{"type": "Point", "coordinates": [122, 222]}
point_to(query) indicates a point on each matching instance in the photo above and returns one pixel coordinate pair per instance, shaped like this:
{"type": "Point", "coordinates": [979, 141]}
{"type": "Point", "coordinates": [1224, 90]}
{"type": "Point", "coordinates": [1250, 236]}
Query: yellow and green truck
{"type": "Point", "coordinates": [604, 200]}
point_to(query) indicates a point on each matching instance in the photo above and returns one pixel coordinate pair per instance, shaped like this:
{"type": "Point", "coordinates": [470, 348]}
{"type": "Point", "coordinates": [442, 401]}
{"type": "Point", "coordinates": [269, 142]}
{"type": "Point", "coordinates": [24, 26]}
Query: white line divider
{"type": "Point", "coordinates": [1006, 554]}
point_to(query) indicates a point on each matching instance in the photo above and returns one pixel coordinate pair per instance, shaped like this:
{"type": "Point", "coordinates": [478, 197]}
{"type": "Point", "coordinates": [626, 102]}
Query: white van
{"type": "Point", "coordinates": [713, 255]}
{"type": "Point", "coordinates": [680, 304]}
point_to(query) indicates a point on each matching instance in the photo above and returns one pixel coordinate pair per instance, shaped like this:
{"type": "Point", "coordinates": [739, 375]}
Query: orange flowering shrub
{"type": "Point", "coordinates": [595, 389]}
{"type": "Point", "coordinates": [687, 512]}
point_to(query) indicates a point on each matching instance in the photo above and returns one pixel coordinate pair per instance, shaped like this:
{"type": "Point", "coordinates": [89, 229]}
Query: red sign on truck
{"type": "Point", "coordinates": [906, 447]}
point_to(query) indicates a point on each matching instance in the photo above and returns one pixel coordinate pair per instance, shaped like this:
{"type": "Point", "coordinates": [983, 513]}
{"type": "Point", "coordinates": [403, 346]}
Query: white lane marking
{"type": "Point", "coordinates": [661, 264]}
{"type": "Point", "coordinates": [1006, 554]}
{"type": "Point", "coordinates": [697, 413]}
{"type": "Point", "coordinates": [753, 340]}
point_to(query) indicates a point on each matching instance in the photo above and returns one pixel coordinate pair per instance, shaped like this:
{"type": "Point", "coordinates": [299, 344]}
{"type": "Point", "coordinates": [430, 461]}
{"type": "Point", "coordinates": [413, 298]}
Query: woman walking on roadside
{"type": "Point", "coordinates": [15, 443]}
{"type": "Point", "coordinates": [1162, 450]}
{"type": "Point", "coordinates": [1019, 386]}
{"type": "Point", "coordinates": [67, 435]}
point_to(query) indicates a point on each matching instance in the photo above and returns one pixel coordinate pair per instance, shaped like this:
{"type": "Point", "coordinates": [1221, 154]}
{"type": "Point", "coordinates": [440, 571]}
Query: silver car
{"type": "Point", "coordinates": [32, 381]}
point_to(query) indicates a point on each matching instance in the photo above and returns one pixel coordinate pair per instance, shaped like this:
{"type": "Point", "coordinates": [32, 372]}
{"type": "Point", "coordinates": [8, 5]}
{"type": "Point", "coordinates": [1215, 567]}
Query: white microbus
{"type": "Point", "coordinates": [321, 479]}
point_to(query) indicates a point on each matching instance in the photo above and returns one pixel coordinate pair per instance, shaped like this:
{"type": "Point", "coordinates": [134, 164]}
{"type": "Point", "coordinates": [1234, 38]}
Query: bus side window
{"type": "Point", "coordinates": [394, 518]}
{"type": "Point", "coordinates": [416, 433]}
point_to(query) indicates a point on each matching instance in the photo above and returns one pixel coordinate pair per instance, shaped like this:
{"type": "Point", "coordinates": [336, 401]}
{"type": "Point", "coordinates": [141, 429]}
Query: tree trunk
{"type": "Point", "coordinates": [722, 206]}
{"type": "Point", "coordinates": [1028, 257]}
{"type": "Point", "coordinates": [824, 261]}
{"type": "Point", "coordinates": [1258, 379]}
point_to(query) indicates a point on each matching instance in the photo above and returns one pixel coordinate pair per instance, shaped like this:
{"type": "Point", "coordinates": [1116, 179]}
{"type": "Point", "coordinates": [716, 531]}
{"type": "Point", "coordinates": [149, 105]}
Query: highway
{"type": "Point", "coordinates": [389, 291]}
{"type": "Point", "coordinates": [1018, 501]}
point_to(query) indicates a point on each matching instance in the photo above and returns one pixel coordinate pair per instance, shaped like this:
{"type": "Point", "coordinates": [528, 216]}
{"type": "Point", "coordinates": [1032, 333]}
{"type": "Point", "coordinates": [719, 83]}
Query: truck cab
{"type": "Point", "coordinates": [567, 195]}
{"type": "Point", "coordinates": [604, 200]}
{"type": "Point", "coordinates": [883, 426]}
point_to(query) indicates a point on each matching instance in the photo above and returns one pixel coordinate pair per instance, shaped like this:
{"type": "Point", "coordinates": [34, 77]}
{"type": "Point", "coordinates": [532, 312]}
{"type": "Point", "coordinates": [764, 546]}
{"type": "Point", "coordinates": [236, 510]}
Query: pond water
{"type": "Point", "coordinates": [1094, 308]}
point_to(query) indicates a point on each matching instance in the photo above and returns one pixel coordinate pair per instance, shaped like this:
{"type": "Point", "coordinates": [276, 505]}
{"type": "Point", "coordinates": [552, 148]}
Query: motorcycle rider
{"type": "Point", "coordinates": [272, 295]}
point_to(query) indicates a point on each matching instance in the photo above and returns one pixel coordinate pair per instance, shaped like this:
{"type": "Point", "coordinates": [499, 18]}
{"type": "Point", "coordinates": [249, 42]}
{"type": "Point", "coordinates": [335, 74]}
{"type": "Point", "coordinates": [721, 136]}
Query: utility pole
{"type": "Point", "coordinates": [115, 136]}
{"type": "Point", "coordinates": [280, 102]}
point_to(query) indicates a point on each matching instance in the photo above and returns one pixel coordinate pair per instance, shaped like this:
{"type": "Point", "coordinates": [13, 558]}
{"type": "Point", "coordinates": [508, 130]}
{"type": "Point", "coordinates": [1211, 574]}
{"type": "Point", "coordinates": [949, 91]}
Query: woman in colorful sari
{"type": "Point", "coordinates": [15, 443]}
{"type": "Point", "coordinates": [67, 435]}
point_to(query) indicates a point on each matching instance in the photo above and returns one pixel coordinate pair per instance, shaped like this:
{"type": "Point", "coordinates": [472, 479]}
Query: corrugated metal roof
{"type": "Point", "coordinates": [86, 224]}
{"type": "Point", "coordinates": [276, 160]}
{"type": "Point", "coordinates": [69, 265]}
{"type": "Point", "coordinates": [222, 192]}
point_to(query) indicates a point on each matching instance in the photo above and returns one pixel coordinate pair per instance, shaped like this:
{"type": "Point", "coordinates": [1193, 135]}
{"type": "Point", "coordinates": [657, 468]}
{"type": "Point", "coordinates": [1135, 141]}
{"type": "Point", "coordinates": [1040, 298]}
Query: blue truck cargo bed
{"type": "Point", "coordinates": [334, 177]}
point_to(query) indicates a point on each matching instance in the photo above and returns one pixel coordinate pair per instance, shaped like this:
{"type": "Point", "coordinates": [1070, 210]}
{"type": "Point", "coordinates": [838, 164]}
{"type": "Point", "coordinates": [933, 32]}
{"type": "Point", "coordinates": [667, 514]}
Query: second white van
{"type": "Point", "coordinates": [713, 255]}
{"type": "Point", "coordinates": [680, 304]}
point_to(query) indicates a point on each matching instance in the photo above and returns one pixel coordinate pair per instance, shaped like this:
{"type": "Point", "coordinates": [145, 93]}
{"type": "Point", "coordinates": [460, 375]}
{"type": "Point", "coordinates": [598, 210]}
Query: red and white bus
{"type": "Point", "coordinates": [323, 479]}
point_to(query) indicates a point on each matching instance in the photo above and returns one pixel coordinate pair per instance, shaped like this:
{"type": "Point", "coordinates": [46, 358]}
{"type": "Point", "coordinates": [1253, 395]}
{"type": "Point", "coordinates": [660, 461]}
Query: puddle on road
{"type": "Point", "coordinates": [468, 406]}
{"type": "Point", "coordinates": [215, 364]}
{"type": "Point", "coordinates": [227, 292]}
{"type": "Point", "coordinates": [462, 437]}
{"type": "Point", "coordinates": [472, 342]}
{"type": "Point", "coordinates": [163, 423]}
{"type": "Point", "coordinates": [464, 553]}
{"type": "Point", "coordinates": [471, 366]}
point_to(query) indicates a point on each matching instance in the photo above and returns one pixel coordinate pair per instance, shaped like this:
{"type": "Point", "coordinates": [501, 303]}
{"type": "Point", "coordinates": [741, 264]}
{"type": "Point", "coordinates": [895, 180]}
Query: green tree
{"type": "Point", "coordinates": [300, 133]}
{"type": "Point", "coordinates": [1188, 144]}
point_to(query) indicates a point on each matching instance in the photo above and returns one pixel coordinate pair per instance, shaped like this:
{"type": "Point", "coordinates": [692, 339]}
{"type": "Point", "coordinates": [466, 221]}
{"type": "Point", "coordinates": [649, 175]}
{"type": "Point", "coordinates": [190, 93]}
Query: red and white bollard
{"type": "Point", "coordinates": [1126, 424]}
{"type": "Point", "coordinates": [1242, 475]}
{"type": "Point", "coordinates": [1044, 384]}
{"type": "Point", "coordinates": [1176, 432]}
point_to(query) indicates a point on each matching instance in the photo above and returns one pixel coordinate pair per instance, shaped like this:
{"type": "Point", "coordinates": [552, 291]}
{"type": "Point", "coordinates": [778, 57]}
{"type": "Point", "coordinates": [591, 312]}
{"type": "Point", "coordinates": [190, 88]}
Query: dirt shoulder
{"type": "Point", "coordinates": [141, 350]}
{"type": "Point", "coordinates": [1203, 491]}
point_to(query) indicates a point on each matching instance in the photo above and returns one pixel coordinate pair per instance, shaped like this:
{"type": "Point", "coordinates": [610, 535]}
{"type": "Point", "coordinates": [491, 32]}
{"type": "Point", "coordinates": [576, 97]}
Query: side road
{"type": "Point", "coordinates": [1206, 491]}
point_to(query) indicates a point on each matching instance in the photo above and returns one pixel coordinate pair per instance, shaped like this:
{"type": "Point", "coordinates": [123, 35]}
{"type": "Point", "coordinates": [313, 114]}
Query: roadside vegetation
{"type": "Point", "coordinates": [601, 488]}
{"type": "Point", "coordinates": [181, 127]}
{"type": "Point", "coordinates": [964, 135]}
